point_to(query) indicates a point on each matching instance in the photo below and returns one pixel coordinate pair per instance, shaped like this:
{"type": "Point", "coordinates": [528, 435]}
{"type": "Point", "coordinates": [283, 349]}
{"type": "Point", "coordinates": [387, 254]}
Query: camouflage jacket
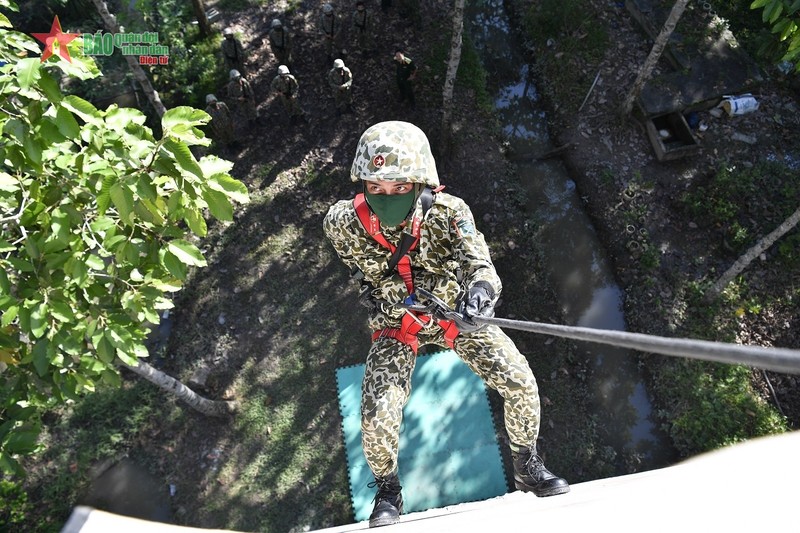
{"type": "Point", "coordinates": [286, 85]}
{"type": "Point", "coordinates": [240, 89]}
{"type": "Point", "coordinates": [280, 38]}
{"type": "Point", "coordinates": [362, 21]}
{"type": "Point", "coordinates": [330, 25]}
{"type": "Point", "coordinates": [451, 256]}
{"type": "Point", "coordinates": [340, 79]}
{"type": "Point", "coordinates": [232, 50]}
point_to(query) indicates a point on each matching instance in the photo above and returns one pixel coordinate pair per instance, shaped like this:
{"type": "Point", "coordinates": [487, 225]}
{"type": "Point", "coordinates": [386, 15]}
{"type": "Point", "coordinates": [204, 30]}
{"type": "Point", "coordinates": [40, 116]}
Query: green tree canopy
{"type": "Point", "coordinates": [100, 224]}
{"type": "Point", "coordinates": [783, 17]}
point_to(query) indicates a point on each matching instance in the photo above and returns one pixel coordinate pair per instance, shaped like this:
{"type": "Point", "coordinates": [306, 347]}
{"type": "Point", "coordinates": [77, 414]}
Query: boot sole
{"type": "Point", "coordinates": [555, 491]}
{"type": "Point", "coordinates": [380, 522]}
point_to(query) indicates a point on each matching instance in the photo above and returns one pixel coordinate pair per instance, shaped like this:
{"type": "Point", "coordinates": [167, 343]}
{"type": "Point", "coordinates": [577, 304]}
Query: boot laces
{"type": "Point", "coordinates": [534, 464]}
{"type": "Point", "coordinates": [388, 488]}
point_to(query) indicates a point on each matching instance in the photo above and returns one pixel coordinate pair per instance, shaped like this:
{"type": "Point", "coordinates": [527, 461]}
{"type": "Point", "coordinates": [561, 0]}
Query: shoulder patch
{"type": "Point", "coordinates": [464, 226]}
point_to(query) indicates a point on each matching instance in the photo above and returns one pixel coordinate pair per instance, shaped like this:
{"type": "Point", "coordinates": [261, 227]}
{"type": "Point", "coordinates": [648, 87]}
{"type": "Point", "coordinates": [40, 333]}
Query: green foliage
{"type": "Point", "coordinates": [14, 505]}
{"type": "Point", "coordinates": [716, 406]}
{"type": "Point", "coordinates": [783, 19]}
{"type": "Point", "coordinates": [100, 224]}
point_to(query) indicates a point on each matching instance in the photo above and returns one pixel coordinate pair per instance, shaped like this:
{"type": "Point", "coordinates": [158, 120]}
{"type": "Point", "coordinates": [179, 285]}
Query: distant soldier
{"type": "Point", "coordinates": [287, 88]}
{"type": "Point", "coordinates": [240, 91]}
{"type": "Point", "coordinates": [232, 51]}
{"type": "Point", "coordinates": [362, 27]}
{"type": "Point", "coordinates": [221, 121]}
{"type": "Point", "coordinates": [331, 27]}
{"type": "Point", "coordinates": [406, 74]}
{"type": "Point", "coordinates": [281, 42]}
{"type": "Point", "coordinates": [341, 80]}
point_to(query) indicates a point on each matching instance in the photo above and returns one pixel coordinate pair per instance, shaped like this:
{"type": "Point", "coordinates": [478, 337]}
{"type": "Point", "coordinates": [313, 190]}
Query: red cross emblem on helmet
{"type": "Point", "coordinates": [378, 161]}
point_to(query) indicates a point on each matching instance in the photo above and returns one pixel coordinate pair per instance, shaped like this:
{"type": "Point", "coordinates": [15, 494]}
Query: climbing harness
{"type": "Point", "coordinates": [412, 322]}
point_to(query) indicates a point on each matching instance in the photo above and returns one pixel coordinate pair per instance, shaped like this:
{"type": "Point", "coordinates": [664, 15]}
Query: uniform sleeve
{"type": "Point", "coordinates": [471, 251]}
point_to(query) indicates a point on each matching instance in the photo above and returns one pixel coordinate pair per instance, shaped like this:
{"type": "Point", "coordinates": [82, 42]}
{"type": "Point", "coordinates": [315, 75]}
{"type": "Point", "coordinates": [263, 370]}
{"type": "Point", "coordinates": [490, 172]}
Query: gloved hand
{"type": "Point", "coordinates": [477, 302]}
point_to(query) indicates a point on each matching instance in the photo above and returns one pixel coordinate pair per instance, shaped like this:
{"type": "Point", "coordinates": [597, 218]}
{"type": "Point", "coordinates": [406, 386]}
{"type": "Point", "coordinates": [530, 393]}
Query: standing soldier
{"type": "Point", "coordinates": [232, 51]}
{"type": "Point", "coordinates": [221, 122]}
{"type": "Point", "coordinates": [406, 74]}
{"type": "Point", "coordinates": [240, 91]}
{"type": "Point", "coordinates": [281, 42]}
{"type": "Point", "coordinates": [330, 26]}
{"type": "Point", "coordinates": [362, 27]}
{"type": "Point", "coordinates": [341, 79]}
{"type": "Point", "coordinates": [287, 88]}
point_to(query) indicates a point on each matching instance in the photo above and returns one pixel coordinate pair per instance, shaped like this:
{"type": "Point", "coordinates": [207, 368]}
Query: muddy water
{"type": "Point", "coordinates": [576, 263]}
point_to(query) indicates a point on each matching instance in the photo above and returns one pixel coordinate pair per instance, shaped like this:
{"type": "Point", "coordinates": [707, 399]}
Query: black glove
{"type": "Point", "coordinates": [365, 295]}
{"type": "Point", "coordinates": [477, 302]}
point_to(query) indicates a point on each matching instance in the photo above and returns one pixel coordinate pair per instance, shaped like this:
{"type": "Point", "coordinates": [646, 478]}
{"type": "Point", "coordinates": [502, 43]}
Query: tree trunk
{"type": "Point", "coordinates": [745, 260]}
{"type": "Point", "coordinates": [184, 393]}
{"type": "Point", "coordinates": [202, 20]}
{"type": "Point", "coordinates": [655, 54]}
{"type": "Point", "coordinates": [450, 78]}
{"type": "Point", "coordinates": [110, 22]}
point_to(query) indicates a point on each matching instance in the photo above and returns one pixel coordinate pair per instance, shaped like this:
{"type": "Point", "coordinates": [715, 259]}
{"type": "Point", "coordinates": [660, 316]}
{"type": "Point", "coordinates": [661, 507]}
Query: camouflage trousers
{"type": "Point", "coordinates": [342, 98]}
{"type": "Point", "coordinates": [387, 385]}
{"type": "Point", "coordinates": [291, 105]}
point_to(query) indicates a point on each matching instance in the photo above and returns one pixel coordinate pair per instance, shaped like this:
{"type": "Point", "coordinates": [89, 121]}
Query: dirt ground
{"type": "Point", "coordinates": [273, 284]}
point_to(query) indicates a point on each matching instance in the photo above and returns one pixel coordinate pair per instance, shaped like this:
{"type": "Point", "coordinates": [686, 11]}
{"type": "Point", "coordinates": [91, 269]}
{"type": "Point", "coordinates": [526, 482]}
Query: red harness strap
{"type": "Point", "coordinates": [412, 322]}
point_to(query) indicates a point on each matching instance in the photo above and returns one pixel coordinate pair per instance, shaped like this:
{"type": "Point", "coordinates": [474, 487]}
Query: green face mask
{"type": "Point", "coordinates": [391, 209]}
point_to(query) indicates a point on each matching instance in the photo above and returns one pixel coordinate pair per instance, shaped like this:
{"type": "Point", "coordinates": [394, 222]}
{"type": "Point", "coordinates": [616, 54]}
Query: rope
{"type": "Point", "coordinates": [781, 360]}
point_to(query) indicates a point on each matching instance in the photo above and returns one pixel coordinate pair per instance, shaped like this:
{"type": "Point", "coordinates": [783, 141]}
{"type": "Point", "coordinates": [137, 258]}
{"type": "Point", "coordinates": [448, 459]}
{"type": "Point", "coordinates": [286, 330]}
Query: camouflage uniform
{"type": "Point", "coordinates": [340, 81]}
{"type": "Point", "coordinates": [281, 42]}
{"type": "Point", "coordinates": [451, 258]}
{"type": "Point", "coordinates": [330, 25]}
{"type": "Point", "coordinates": [233, 53]}
{"type": "Point", "coordinates": [241, 92]}
{"type": "Point", "coordinates": [362, 29]}
{"type": "Point", "coordinates": [287, 87]}
{"type": "Point", "coordinates": [221, 122]}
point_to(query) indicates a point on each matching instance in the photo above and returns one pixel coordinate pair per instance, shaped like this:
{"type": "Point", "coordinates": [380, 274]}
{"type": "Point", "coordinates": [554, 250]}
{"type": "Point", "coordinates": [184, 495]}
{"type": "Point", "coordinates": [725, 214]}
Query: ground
{"type": "Point", "coordinates": [273, 315]}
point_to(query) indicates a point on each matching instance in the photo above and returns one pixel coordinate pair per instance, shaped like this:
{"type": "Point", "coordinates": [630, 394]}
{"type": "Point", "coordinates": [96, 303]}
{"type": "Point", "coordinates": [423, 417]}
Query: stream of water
{"type": "Point", "coordinates": [575, 260]}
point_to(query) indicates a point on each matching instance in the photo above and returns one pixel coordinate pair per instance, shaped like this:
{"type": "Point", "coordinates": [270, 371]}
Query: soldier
{"type": "Point", "coordinates": [240, 91]}
{"type": "Point", "coordinates": [401, 234]}
{"type": "Point", "coordinates": [362, 27]}
{"type": "Point", "coordinates": [406, 73]}
{"type": "Point", "coordinates": [280, 40]}
{"type": "Point", "coordinates": [331, 27]}
{"type": "Point", "coordinates": [287, 88]}
{"type": "Point", "coordinates": [221, 122]}
{"type": "Point", "coordinates": [232, 51]}
{"type": "Point", "coordinates": [341, 79]}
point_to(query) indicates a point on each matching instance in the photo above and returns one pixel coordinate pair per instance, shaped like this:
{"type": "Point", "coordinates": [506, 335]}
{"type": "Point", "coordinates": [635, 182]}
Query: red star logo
{"type": "Point", "coordinates": [56, 36]}
{"type": "Point", "coordinates": [378, 161]}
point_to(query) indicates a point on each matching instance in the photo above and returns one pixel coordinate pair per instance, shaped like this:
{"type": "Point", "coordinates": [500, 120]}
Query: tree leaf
{"type": "Point", "coordinates": [50, 88]}
{"type": "Point", "coordinates": [9, 315]}
{"type": "Point", "coordinates": [67, 124]}
{"type": "Point", "coordinates": [196, 222]}
{"type": "Point", "coordinates": [219, 204]}
{"type": "Point", "coordinates": [83, 109]}
{"type": "Point", "coordinates": [173, 265]}
{"type": "Point", "coordinates": [122, 198]}
{"type": "Point", "coordinates": [186, 252]}
{"type": "Point", "coordinates": [39, 320]}
{"type": "Point", "coordinates": [183, 156]}
{"type": "Point", "coordinates": [182, 115]}
{"type": "Point", "coordinates": [28, 71]}
{"type": "Point", "coordinates": [40, 352]}
{"type": "Point", "coordinates": [233, 188]}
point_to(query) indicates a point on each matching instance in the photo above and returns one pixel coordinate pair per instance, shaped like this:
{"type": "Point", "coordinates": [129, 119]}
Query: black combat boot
{"type": "Point", "coordinates": [530, 474]}
{"type": "Point", "coordinates": [388, 501]}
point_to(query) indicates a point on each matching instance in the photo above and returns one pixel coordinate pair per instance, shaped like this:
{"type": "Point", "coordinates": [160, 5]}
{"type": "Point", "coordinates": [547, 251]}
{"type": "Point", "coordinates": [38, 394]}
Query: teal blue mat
{"type": "Point", "coordinates": [448, 447]}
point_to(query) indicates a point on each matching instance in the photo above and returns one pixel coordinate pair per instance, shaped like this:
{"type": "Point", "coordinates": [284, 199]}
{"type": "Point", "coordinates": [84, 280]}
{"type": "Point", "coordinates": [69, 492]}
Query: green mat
{"type": "Point", "coordinates": [448, 446]}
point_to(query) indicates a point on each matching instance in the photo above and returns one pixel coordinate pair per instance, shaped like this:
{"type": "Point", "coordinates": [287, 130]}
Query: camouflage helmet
{"type": "Point", "coordinates": [276, 23]}
{"type": "Point", "coordinates": [327, 9]}
{"type": "Point", "coordinates": [235, 74]}
{"type": "Point", "coordinates": [338, 63]}
{"type": "Point", "coordinates": [394, 151]}
{"type": "Point", "coordinates": [210, 98]}
{"type": "Point", "coordinates": [227, 31]}
{"type": "Point", "coordinates": [283, 69]}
